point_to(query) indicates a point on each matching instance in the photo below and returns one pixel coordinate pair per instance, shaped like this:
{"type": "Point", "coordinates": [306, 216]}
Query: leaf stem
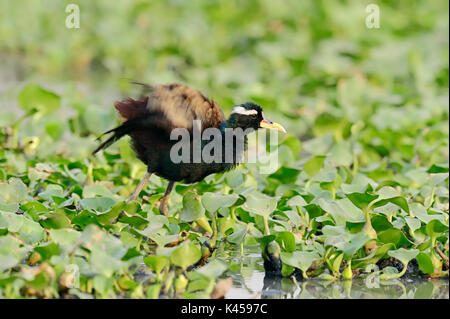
{"type": "Point", "coordinates": [266, 225]}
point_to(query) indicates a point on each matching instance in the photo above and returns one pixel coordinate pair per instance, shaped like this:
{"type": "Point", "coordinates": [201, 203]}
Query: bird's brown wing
{"type": "Point", "coordinates": [173, 106]}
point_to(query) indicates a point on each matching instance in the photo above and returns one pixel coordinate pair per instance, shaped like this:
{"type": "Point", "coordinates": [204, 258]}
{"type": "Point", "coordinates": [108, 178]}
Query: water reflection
{"type": "Point", "coordinates": [250, 281]}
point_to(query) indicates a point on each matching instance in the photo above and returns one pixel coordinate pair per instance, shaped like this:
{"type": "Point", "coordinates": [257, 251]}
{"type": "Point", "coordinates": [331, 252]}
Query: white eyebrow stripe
{"type": "Point", "coordinates": [243, 111]}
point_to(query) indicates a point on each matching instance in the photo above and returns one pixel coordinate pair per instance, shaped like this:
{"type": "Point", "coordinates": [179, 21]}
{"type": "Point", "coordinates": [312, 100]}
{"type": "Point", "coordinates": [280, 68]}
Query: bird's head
{"type": "Point", "coordinates": [251, 115]}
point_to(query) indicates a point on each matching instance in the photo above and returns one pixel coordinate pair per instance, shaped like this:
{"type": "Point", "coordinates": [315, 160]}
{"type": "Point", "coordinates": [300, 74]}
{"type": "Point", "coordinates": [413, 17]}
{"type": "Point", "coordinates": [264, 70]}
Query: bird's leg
{"type": "Point", "coordinates": [163, 204]}
{"type": "Point", "coordinates": [141, 185]}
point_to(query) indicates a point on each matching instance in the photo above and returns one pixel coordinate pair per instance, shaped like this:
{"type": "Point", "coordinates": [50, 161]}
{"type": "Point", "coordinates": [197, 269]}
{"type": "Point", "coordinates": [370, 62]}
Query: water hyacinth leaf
{"type": "Point", "coordinates": [438, 168]}
{"type": "Point", "coordinates": [162, 238]}
{"type": "Point", "coordinates": [435, 227]}
{"type": "Point", "coordinates": [212, 269]}
{"type": "Point", "coordinates": [404, 255]}
{"type": "Point", "coordinates": [286, 240]}
{"type": "Point", "coordinates": [7, 261]}
{"type": "Point", "coordinates": [337, 263]}
{"type": "Point", "coordinates": [327, 176]}
{"type": "Point", "coordinates": [260, 204]}
{"type": "Point", "coordinates": [11, 252]}
{"type": "Point", "coordinates": [185, 255]}
{"type": "Point", "coordinates": [293, 216]}
{"type": "Point", "coordinates": [343, 240]}
{"type": "Point", "coordinates": [436, 179]}
{"type": "Point", "coordinates": [361, 200]}
{"type": "Point", "coordinates": [97, 190]}
{"type": "Point", "coordinates": [9, 208]}
{"type": "Point", "coordinates": [341, 154]}
{"type": "Point", "coordinates": [65, 238]}
{"type": "Point", "coordinates": [57, 219]}
{"type": "Point", "coordinates": [293, 143]}
{"type": "Point", "coordinates": [29, 230]}
{"type": "Point", "coordinates": [373, 257]}
{"type": "Point", "coordinates": [399, 201]}
{"type": "Point", "coordinates": [413, 223]}
{"type": "Point", "coordinates": [313, 165]}
{"type": "Point", "coordinates": [155, 223]}
{"type": "Point", "coordinates": [356, 242]}
{"type": "Point", "coordinates": [14, 191]}
{"type": "Point", "coordinates": [297, 200]}
{"type": "Point", "coordinates": [285, 175]}
{"type": "Point", "coordinates": [394, 236]}
{"type": "Point", "coordinates": [213, 201]}
{"type": "Point", "coordinates": [387, 192]}
{"type": "Point", "coordinates": [421, 213]}
{"type": "Point", "coordinates": [342, 211]}
{"type": "Point", "coordinates": [97, 204]}
{"type": "Point", "coordinates": [51, 191]}
{"type": "Point", "coordinates": [33, 97]}
{"type": "Point", "coordinates": [192, 207]}
{"type": "Point", "coordinates": [425, 263]}
{"type": "Point", "coordinates": [299, 259]}
{"type": "Point", "coordinates": [55, 129]}
{"type": "Point", "coordinates": [238, 235]}
{"type": "Point", "coordinates": [235, 178]}
{"type": "Point", "coordinates": [158, 263]}
{"type": "Point", "coordinates": [47, 250]}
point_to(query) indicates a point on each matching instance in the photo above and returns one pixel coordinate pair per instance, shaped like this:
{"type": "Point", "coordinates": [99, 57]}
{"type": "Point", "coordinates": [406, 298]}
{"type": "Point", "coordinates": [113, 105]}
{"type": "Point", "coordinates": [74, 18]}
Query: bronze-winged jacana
{"type": "Point", "coordinates": [150, 120]}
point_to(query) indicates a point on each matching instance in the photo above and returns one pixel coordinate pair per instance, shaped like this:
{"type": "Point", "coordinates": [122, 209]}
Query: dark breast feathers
{"type": "Point", "coordinates": [150, 120]}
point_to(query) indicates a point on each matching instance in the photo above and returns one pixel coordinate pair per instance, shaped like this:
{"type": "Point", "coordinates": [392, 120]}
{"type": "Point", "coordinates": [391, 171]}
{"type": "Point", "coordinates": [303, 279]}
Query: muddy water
{"type": "Point", "coordinates": [249, 281]}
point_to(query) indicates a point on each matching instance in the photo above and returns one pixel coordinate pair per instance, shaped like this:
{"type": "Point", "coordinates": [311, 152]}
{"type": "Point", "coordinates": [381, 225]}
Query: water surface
{"type": "Point", "coordinates": [250, 282]}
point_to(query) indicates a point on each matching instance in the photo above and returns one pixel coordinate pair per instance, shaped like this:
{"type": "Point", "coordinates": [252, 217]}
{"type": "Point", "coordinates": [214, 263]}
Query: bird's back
{"type": "Point", "coordinates": [173, 106]}
{"type": "Point", "coordinates": [151, 119]}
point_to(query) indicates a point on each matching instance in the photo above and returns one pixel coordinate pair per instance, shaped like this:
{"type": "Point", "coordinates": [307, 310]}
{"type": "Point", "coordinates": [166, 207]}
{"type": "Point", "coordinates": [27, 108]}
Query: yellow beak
{"type": "Point", "coordinates": [272, 126]}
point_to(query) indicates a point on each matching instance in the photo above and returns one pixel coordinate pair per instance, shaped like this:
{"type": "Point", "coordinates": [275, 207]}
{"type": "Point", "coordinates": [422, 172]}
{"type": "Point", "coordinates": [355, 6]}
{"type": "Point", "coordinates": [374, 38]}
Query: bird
{"type": "Point", "coordinates": [150, 119]}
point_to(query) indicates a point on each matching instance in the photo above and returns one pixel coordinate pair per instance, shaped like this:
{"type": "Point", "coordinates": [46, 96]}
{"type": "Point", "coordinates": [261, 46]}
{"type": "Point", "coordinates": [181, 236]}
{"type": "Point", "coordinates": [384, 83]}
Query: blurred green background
{"type": "Point", "coordinates": [313, 65]}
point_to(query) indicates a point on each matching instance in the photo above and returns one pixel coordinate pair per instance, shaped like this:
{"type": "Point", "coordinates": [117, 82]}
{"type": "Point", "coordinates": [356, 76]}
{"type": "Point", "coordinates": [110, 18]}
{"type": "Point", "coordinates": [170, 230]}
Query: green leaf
{"type": "Point", "coordinates": [286, 240]}
{"type": "Point", "coordinates": [342, 211]}
{"type": "Point", "coordinates": [213, 201]}
{"type": "Point", "coordinates": [299, 259]}
{"type": "Point", "coordinates": [436, 179]}
{"type": "Point", "coordinates": [29, 230]}
{"type": "Point", "coordinates": [394, 236]}
{"type": "Point", "coordinates": [192, 207]}
{"type": "Point", "coordinates": [260, 204]}
{"type": "Point", "coordinates": [213, 269]}
{"type": "Point", "coordinates": [361, 200]}
{"type": "Point", "coordinates": [185, 255]}
{"type": "Point", "coordinates": [238, 235]}
{"type": "Point", "coordinates": [34, 97]}
{"type": "Point", "coordinates": [15, 191]}
{"type": "Point", "coordinates": [425, 263]}
{"type": "Point", "coordinates": [96, 190]}
{"type": "Point", "coordinates": [388, 194]}
{"type": "Point", "coordinates": [97, 204]}
{"type": "Point", "coordinates": [158, 263]}
{"type": "Point", "coordinates": [435, 227]}
{"type": "Point", "coordinates": [404, 255]}
{"type": "Point", "coordinates": [373, 257]}
{"type": "Point", "coordinates": [313, 165]}
{"type": "Point", "coordinates": [345, 241]}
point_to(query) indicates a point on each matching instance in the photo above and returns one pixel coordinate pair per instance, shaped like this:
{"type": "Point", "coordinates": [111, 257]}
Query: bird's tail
{"type": "Point", "coordinates": [118, 133]}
